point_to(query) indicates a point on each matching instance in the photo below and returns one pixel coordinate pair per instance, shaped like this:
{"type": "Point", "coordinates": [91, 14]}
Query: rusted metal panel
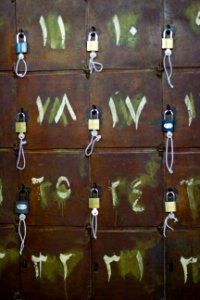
{"type": "Point", "coordinates": [131, 183]}
{"type": "Point", "coordinates": [8, 111]}
{"type": "Point", "coordinates": [8, 186]}
{"type": "Point", "coordinates": [129, 33]}
{"type": "Point", "coordinates": [7, 34]}
{"type": "Point", "coordinates": [56, 33]}
{"type": "Point", "coordinates": [184, 100]}
{"type": "Point", "coordinates": [59, 188]}
{"type": "Point", "coordinates": [127, 264]}
{"type": "Point", "coordinates": [186, 182]}
{"type": "Point", "coordinates": [9, 263]}
{"type": "Point", "coordinates": [56, 109]}
{"type": "Point", "coordinates": [64, 270]}
{"type": "Point", "coordinates": [183, 265]}
{"type": "Point", "coordinates": [130, 103]}
{"type": "Point", "coordinates": [185, 16]}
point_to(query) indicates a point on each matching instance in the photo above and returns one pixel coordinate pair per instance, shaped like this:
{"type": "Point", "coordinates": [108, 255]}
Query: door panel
{"type": "Point", "coordinates": [56, 107]}
{"type": "Point", "coordinates": [183, 266]}
{"type": "Point", "coordinates": [130, 104]}
{"type": "Point", "coordinates": [129, 33]}
{"type": "Point", "coordinates": [131, 185]}
{"type": "Point", "coordinates": [184, 100]}
{"type": "Point", "coordinates": [59, 188]}
{"type": "Point", "coordinates": [54, 268]}
{"type": "Point", "coordinates": [56, 33]}
{"type": "Point", "coordinates": [124, 265]}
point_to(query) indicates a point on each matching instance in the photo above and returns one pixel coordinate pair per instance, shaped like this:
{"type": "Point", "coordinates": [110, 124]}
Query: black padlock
{"type": "Point", "coordinates": [168, 121]}
{"type": "Point", "coordinates": [22, 204]}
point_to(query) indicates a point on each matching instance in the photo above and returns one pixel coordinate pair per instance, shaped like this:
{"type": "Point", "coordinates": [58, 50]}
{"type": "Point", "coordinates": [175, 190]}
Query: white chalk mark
{"type": "Point", "coordinates": [140, 264]}
{"type": "Point", "coordinates": [189, 102]}
{"type": "Point", "coordinates": [64, 258]}
{"type": "Point", "coordinates": [1, 192]}
{"type": "Point", "coordinates": [63, 195]}
{"type": "Point", "coordinates": [135, 115]}
{"type": "Point", "coordinates": [108, 260]}
{"type": "Point", "coordinates": [2, 255]}
{"type": "Point", "coordinates": [133, 30]}
{"type": "Point", "coordinates": [44, 30]}
{"type": "Point", "coordinates": [117, 29]}
{"type": "Point", "coordinates": [197, 20]}
{"type": "Point", "coordinates": [113, 111]}
{"type": "Point", "coordinates": [135, 207]}
{"type": "Point", "coordinates": [37, 180]}
{"type": "Point", "coordinates": [42, 109]}
{"type": "Point", "coordinates": [185, 262]}
{"type": "Point", "coordinates": [62, 31]}
{"type": "Point", "coordinates": [66, 102]}
{"type": "Point", "coordinates": [113, 188]}
{"type": "Point", "coordinates": [38, 260]}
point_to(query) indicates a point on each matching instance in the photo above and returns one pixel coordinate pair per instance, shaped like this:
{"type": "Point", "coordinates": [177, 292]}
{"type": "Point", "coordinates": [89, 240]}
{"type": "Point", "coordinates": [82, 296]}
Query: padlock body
{"type": "Point", "coordinates": [93, 124]}
{"type": "Point", "coordinates": [92, 46]}
{"type": "Point", "coordinates": [170, 206]}
{"type": "Point", "coordinates": [167, 43]}
{"type": "Point", "coordinates": [20, 127]}
{"type": "Point", "coordinates": [94, 202]}
{"type": "Point", "coordinates": [22, 207]}
{"type": "Point", "coordinates": [21, 47]}
{"type": "Point", "coordinates": [167, 125]}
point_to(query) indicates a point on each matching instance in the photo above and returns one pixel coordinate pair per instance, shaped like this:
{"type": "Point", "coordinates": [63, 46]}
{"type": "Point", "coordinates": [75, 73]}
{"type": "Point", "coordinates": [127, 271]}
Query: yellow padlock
{"type": "Point", "coordinates": [94, 200]}
{"type": "Point", "coordinates": [92, 42]}
{"type": "Point", "coordinates": [170, 202]}
{"type": "Point", "coordinates": [20, 124]}
{"type": "Point", "coordinates": [94, 122]}
{"type": "Point", "coordinates": [167, 39]}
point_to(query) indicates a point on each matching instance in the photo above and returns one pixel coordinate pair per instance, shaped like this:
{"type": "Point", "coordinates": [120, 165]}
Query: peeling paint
{"type": "Point", "coordinates": [185, 262]}
{"type": "Point", "coordinates": [108, 260]}
{"type": "Point", "coordinates": [189, 102]}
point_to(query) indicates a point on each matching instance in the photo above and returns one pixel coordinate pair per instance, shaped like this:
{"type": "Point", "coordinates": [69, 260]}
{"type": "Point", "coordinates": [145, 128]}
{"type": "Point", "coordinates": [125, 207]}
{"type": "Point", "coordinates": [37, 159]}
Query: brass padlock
{"type": "Point", "coordinates": [20, 124]}
{"type": "Point", "coordinates": [94, 200]}
{"type": "Point", "coordinates": [92, 42]}
{"type": "Point", "coordinates": [170, 202]}
{"type": "Point", "coordinates": [94, 122]}
{"type": "Point", "coordinates": [167, 39]}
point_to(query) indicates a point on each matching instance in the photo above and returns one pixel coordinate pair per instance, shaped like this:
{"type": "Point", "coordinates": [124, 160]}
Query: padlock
{"type": "Point", "coordinates": [21, 43]}
{"type": "Point", "coordinates": [20, 124]}
{"type": "Point", "coordinates": [94, 200]}
{"type": "Point", "coordinates": [168, 123]}
{"type": "Point", "coordinates": [92, 42]}
{"type": "Point", "coordinates": [22, 204]}
{"type": "Point", "coordinates": [167, 39]}
{"type": "Point", "coordinates": [170, 202]}
{"type": "Point", "coordinates": [94, 122]}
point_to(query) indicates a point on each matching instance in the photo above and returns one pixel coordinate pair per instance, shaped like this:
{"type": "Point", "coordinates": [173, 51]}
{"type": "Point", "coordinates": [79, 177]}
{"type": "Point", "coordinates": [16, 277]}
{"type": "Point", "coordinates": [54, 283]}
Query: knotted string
{"type": "Point", "coordinates": [21, 59]}
{"type": "Point", "coordinates": [94, 138]}
{"type": "Point", "coordinates": [170, 216]}
{"type": "Point", "coordinates": [21, 155]}
{"type": "Point", "coordinates": [93, 65]}
{"type": "Point", "coordinates": [169, 141]}
{"type": "Point", "coordinates": [22, 218]}
{"type": "Point", "coordinates": [167, 55]}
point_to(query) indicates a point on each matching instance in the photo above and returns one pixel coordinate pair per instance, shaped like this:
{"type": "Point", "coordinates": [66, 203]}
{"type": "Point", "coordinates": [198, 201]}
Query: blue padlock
{"type": "Point", "coordinates": [21, 43]}
{"type": "Point", "coordinates": [22, 204]}
{"type": "Point", "coordinates": [168, 121]}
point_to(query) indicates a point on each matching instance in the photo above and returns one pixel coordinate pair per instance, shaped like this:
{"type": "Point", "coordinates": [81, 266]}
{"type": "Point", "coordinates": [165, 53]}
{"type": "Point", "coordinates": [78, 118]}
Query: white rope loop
{"type": "Point", "coordinates": [21, 60]}
{"type": "Point", "coordinates": [21, 154]}
{"type": "Point", "coordinates": [22, 218]}
{"type": "Point", "coordinates": [167, 55]}
{"type": "Point", "coordinates": [90, 147]}
{"type": "Point", "coordinates": [169, 143]}
{"type": "Point", "coordinates": [93, 65]}
{"type": "Point", "coordinates": [94, 222]}
{"type": "Point", "coordinates": [170, 216]}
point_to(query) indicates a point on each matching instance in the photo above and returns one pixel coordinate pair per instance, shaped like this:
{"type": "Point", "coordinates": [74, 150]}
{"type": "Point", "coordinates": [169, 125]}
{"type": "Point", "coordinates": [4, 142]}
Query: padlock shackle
{"type": "Point", "coordinates": [94, 111]}
{"type": "Point", "coordinates": [20, 33]}
{"type": "Point", "coordinates": [171, 193]}
{"type": "Point", "coordinates": [23, 191]}
{"type": "Point", "coordinates": [170, 33]}
{"type": "Point", "coordinates": [168, 112]}
{"type": "Point", "coordinates": [21, 116]}
{"type": "Point", "coordinates": [92, 34]}
{"type": "Point", "coordinates": [94, 190]}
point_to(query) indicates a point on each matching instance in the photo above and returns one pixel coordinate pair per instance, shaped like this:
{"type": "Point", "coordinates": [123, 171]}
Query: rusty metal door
{"type": "Point", "coordinates": [130, 259]}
